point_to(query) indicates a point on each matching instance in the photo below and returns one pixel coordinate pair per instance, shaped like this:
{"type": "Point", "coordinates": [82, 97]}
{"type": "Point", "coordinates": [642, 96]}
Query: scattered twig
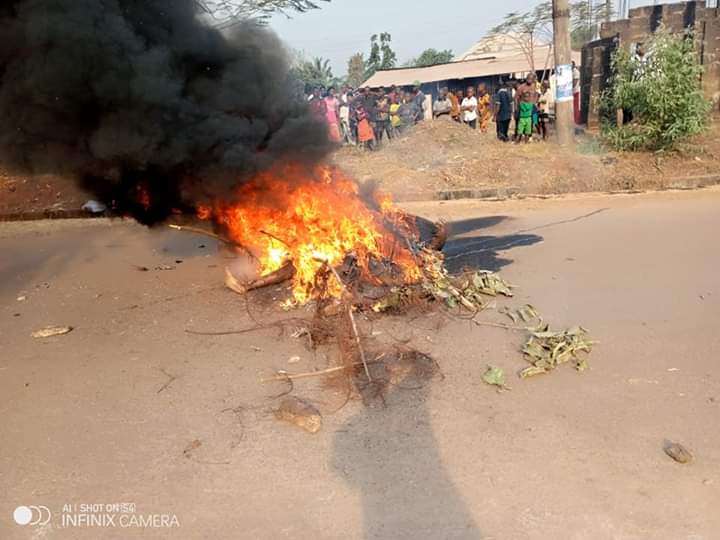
{"type": "Point", "coordinates": [227, 241]}
{"type": "Point", "coordinates": [290, 389]}
{"type": "Point", "coordinates": [328, 371]}
{"type": "Point", "coordinates": [289, 377]}
{"type": "Point", "coordinates": [198, 230]}
{"type": "Point", "coordinates": [358, 342]}
{"type": "Point", "coordinates": [171, 379]}
{"type": "Point", "coordinates": [500, 325]}
{"type": "Point", "coordinates": [277, 324]}
{"type": "Point", "coordinates": [275, 238]}
{"type": "Point", "coordinates": [349, 309]}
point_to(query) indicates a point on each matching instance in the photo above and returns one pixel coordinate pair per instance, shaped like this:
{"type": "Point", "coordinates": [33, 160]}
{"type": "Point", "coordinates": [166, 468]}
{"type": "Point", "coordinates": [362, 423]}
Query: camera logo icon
{"type": "Point", "coordinates": [32, 515]}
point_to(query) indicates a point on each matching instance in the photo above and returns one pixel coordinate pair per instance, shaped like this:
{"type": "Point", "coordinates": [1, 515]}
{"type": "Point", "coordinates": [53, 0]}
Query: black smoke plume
{"type": "Point", "coordinates": [144, 102]}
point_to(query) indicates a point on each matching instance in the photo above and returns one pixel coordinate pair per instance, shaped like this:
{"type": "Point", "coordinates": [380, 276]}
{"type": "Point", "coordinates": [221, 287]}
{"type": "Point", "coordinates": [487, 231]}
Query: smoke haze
{"type": "Point", "coordinates": [140, 96]}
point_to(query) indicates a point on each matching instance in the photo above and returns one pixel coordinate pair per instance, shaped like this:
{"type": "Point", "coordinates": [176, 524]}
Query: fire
{"type": "Point", "coordinates": [142, 196]}
{"type": "Point", "coordinates": [311, 219]}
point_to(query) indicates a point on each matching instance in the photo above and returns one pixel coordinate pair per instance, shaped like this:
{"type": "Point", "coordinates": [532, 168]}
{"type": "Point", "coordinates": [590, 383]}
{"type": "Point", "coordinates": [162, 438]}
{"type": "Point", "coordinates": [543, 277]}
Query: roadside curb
{"type": "Point", "coordinates": [505, 193]}
{"type": "Point", "coordinates": [482, 194]}
{"type": "Point", "coordinates": [37, 215]}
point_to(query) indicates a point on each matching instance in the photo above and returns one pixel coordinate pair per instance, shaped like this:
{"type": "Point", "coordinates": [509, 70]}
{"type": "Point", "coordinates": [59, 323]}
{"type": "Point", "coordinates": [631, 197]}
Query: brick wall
{"type": "Point", "coordinates": [642, 22]}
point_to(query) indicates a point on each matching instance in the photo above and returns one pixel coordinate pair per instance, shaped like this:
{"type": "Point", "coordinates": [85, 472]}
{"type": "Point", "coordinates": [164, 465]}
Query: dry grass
{"type": "Point", "coordinates": [443, 155]}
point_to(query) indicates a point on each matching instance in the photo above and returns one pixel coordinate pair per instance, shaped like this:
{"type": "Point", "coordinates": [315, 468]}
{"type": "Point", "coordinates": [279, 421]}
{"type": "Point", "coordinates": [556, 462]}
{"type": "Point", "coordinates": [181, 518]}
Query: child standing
{"type": "Point", "coordinates": [469, 107]}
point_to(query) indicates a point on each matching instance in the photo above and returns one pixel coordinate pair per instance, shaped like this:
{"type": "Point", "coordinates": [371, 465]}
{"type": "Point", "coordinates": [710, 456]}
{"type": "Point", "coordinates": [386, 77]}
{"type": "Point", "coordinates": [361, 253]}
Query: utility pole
{"type": "Point", "coordinates": [564, 114]}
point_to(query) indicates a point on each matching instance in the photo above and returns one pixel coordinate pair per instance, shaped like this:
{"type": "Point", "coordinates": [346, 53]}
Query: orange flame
{"type": "Point", "coordinates": [311, 218]}
{"type": "Point", "coordinates": [142, 196]}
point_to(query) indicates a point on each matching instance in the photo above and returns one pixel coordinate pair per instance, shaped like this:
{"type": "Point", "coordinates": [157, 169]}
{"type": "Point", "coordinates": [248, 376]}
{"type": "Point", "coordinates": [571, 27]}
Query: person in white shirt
{"type": "Point", "coordinates": [469, 108]}
{"type": "Point", "coordinates": [345, 116]}
{"type": "Point", "coordinates": [546, 103]}
{"type": "Point", "coordinates": [641, 61]}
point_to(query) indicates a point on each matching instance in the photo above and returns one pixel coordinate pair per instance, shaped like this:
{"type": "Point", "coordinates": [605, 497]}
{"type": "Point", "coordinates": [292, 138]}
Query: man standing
{"type": "Point", "coordinates": [527, 87]}
{"type": "Point", "coordinates": [640, 61]}
{"type": "Point", "coordinates": [526, 90]}
{"type": "Point", "coordinates": [382, 116]}
{"type": "Point", "coordinates": [503, 111]}
{"type": "Point", "coordinates": [344, 114]}
{"type": "Point", "coordinates": [408, 112]}
{"type": "Point", "coordinates": [469, 108]}
{"type": "Point", "coordinates": [419, 101]}
{"type": "Point", "coordinates": [442, 105]}
{"type": "Point", "coordinates": [576, 93]}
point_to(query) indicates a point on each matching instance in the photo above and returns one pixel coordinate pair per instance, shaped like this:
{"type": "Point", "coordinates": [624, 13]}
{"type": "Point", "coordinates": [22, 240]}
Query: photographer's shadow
{"type": "Point", "coordinates": [389, 453]}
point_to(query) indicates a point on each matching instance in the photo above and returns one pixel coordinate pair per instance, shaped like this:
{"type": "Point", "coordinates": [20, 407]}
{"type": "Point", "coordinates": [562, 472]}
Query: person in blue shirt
{"type": "Point", "coordinates": [503, 111]}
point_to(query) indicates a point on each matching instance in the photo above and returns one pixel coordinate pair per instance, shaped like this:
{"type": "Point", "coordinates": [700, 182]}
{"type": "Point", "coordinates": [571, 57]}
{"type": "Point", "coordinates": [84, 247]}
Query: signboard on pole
{"type": "Point", "coordinates": [564, 83]}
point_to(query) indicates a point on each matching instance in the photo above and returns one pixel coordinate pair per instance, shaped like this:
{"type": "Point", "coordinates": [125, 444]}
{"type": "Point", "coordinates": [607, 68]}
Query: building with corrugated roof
{"type": "Point", "coordinates": [489, 61]}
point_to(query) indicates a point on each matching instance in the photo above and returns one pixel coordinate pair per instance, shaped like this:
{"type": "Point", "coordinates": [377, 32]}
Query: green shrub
{"type": "Point", "coordinates": [664, 95]}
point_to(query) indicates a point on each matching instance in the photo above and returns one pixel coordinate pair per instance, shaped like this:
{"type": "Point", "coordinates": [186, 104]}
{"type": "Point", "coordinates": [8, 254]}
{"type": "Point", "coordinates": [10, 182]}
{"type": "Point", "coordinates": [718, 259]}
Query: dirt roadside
{"type": "Point", "coordinates": [444, 160]}
{"type": "Point", "coordinates": [109, 413]}
{"type": "Point", "coordinates": [443, 156]}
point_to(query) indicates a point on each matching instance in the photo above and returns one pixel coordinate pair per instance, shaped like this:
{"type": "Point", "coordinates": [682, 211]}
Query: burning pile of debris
{"type": "Point", "coordinates": [346, 253]}
{"type": "Point", "coordinates": [321, 233]}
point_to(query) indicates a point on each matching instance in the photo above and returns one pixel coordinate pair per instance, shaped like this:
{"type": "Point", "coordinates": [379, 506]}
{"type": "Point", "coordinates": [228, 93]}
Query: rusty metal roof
{"type": "Point", "coordinates": [485, 67]}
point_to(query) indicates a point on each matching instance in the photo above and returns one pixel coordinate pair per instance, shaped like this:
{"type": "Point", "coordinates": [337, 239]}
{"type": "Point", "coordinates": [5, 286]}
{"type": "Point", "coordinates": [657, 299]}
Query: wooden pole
{"type": "Point", "coordinates": [563, 59]}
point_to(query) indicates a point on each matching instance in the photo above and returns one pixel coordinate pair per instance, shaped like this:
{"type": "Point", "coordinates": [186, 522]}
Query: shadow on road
{"type": "Point", "coordinates": [30, 262]}
{"type": "Point", "coordinates": [465, 250]}
{"type": "Point", "coordinates": [390, 455]}
{"type": "Point", "coordinates": [389, 452]}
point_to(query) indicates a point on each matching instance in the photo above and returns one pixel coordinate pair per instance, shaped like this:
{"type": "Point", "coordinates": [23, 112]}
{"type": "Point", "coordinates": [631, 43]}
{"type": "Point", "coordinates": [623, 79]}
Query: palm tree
{"type": "Point", "coordinates": [314, 73]}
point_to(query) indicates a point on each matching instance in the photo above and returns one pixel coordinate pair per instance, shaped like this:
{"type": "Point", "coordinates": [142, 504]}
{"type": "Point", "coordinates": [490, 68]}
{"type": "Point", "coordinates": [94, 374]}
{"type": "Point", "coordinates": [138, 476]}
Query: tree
{"type": "Point", "coordinates": [663, 91]}
{"type": "Point", "coordinates": [586, 17]}
{"type": "Point", "coordinates": [431, 57]}
{"type": "Point", "coordinates": [533, 28]}
{"type": "Point", "coordinates": [528, 30]}
{"type": "Point", "coordinates": [381, 54]}
{"type": "Point", "coordinates": [313, 73]}
{"type": "Point", "coordinates": [226, 13]}
{"type": "Point", "coordinates": [356, 70]}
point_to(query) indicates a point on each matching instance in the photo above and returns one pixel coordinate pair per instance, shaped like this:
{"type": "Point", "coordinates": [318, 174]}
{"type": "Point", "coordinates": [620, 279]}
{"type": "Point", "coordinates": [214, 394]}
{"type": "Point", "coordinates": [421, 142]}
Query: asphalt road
{"type": "Point", "coordinates": [130, 408]}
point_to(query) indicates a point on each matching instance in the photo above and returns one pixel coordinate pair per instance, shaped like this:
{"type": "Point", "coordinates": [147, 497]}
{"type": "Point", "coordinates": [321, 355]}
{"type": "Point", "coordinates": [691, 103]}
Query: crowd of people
{"type": "Point", "coordinates": [520, 110]}
{"type": "Point", "coordinates": [368, 115]}
{"type": "Point", "coordinates": [526, 104]}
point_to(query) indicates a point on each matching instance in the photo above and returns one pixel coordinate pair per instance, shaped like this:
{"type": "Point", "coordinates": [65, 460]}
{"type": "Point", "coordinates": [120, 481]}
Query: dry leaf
{"type": "Point", "coordinates": [678, 452]}
{"type": "Point", "coordinates": [51, 331]}
{"type": "Point", "coordinates": [545, 350]}
{"type": "Point", "coordinates": [495, 376]}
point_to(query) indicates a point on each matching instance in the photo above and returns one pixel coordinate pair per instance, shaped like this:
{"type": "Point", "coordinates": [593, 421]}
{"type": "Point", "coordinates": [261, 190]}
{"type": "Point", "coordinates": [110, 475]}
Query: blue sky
{"type": "Point", "coordinates": [343, 27]}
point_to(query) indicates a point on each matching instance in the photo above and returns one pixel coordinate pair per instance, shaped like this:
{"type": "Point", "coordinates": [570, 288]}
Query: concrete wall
{"type": "Point", "coordinates": [641, 23]}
